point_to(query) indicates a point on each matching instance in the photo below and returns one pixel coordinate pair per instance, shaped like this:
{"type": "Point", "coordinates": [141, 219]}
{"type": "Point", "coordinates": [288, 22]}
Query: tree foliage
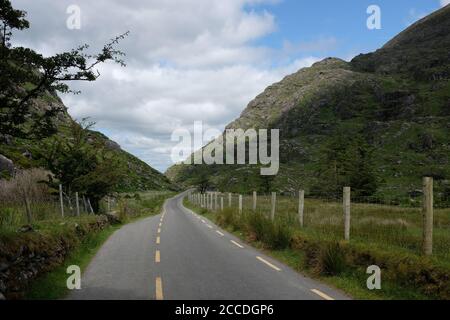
{"type": "Point", "coordinates": [27, 75]}
{"type": "Point", "coordinates": [81, 164]}
{"type": "Point", "coordinates": [347, 161]}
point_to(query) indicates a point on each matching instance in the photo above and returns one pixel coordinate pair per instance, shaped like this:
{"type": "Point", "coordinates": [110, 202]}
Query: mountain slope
{"type": "Point", "coordinates": [378, 123]}
{"type": "Point", "coordinates": [21, 153]}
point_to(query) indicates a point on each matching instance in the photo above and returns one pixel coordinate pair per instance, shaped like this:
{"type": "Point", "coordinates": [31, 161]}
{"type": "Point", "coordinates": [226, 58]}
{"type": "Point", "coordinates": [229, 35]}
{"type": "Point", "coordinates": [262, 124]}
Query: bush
{"type": "Point", "coordinates": [229, 217]}
{"type": "Point", "coordinates": [276, 235]}
{"type": "Point", "coordinates": [331, 260]}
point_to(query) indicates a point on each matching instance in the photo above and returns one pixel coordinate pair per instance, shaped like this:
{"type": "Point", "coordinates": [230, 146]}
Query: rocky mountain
{"type": "Point", "coordinates": [378, 123]}
{"type": "Point", "coordinates": [17, 153]}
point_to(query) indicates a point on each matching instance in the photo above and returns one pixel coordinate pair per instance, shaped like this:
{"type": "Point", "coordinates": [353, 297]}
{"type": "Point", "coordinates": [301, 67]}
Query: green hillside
{"type": "Point", "coordinates": [378, 123]}
{"type": "Point", "coordinates": [23, 153]}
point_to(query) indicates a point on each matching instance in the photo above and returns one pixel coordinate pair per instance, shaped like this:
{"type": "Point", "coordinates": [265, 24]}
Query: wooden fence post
{"type": "Point", "coordinates": [27, 207]}
{"type": "Point", "coordinates": [90, 206]}
{"type": "Point", "coordinates": [427, 212]}
{"type": "Point", "coordinates": [85, 206]}
{"type": "Point", "coordinates": [254, 200]}
{"type": "Point", "coordinates": [240, 203]}
{"type": "Point", "coordinates": [301, 207]}
{"type": "Point", "coordinates": [77, 204]}
{"type": "Point", "coordinates": [229, 200]}
{"type": "Point", "coordinates": [346, 204]}
{"type": "Point", "coordinates": [274, 200]}
{"type": "Point", "coordinates": [61, 200]}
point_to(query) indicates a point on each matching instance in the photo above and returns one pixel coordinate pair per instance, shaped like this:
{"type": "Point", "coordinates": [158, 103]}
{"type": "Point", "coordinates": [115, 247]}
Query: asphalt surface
{"type": "Point", "coordinates": [179, 255]}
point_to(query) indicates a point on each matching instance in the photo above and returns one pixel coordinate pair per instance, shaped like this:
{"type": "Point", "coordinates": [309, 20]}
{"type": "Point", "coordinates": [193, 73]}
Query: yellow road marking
{"type": "Point", "coordinates": [237, 244]}
{"type": "Point", "coordinates": [159, 230]}
{"type": "Point", "coordinates": [321, 294]}
{"type": "Point", "coordinates": [157, 256]}
{"type": "Point", "coordinates": [160, 224]}
{"type": "Point", "coordinates": [220, 233]}
{"type": "Point", "coordinates": [268, 263]}
{"type": "Point", "coordinates": [203, 221]}
{"type": "Point", "coordinates": [210, 227]}
{"type": "Point", "coordinates": [158, 240]}
{"type": "Point", "coordinates": [159, 290]}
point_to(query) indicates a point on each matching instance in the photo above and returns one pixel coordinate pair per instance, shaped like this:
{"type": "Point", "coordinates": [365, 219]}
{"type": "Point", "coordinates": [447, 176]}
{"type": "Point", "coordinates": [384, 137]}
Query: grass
{"type": "Point", "coordinates": [52, 285]}
{"type": "Point", "coordinates": [388, 236]}
{"type": "Point", "coordinates": [377, 225]}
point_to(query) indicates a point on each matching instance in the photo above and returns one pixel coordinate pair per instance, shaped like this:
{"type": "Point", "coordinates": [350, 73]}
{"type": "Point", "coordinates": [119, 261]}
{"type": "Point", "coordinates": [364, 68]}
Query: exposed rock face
{"type": "Point", "coordinates": [6, 165]}
{"type": "Point", "coordinates": [112, 145]}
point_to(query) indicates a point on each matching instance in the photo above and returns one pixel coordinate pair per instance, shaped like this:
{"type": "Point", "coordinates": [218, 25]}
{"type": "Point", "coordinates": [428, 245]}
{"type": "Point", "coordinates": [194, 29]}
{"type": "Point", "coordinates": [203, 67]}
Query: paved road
{"type": "Point", "coordinates": [180, 255]}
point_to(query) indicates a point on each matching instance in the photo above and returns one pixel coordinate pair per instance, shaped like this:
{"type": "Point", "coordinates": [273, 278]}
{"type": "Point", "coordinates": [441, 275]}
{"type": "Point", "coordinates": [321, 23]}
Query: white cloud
{"type": "Point", "coordinates": [188, 60]}
{"type": "Point", "coordinates": [444, 3]}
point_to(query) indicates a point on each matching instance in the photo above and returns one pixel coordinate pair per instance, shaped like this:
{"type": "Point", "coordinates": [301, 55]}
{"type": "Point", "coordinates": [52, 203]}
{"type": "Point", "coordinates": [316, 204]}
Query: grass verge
{"type": "Point", "coordinates": [339, 264]}
{"type": "Point", "coordinates": [52, 285]}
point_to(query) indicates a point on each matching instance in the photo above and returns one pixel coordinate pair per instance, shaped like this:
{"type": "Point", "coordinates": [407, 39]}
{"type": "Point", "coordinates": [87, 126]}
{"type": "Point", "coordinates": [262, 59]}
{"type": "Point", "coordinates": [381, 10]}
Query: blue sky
{"type": "Point", "coordinates": [345, 21]}
{"type": "Point", "coordinates": [201, 60]}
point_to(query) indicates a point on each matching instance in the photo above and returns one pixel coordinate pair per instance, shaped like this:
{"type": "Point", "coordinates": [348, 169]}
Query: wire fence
{"type": "Point", "coordinates": [381, 222]}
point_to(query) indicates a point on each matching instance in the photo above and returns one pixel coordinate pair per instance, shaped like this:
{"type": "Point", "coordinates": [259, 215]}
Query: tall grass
{"type": "Point", "coordinates": [375, 225]}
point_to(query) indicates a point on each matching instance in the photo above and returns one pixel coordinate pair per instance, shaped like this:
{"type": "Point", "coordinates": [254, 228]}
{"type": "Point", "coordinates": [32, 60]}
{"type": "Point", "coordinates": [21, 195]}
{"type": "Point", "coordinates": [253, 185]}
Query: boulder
{"type": "Point", "coordinates": [6, 139]}
{"type": "Point", "coordinates": [6, 165]}
{"type": "Point", "coordinates": [112, 145]}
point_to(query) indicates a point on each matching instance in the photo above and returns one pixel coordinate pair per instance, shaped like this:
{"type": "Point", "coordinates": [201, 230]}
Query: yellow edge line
{"type": "Point", "coordinates": [321, 294]}
{"type": "Point", "coordinates": [237, 244]}
{"type": "Point", "coordinates": [268, 263]}
{"type": "Point", "coordinates": [159, 290]}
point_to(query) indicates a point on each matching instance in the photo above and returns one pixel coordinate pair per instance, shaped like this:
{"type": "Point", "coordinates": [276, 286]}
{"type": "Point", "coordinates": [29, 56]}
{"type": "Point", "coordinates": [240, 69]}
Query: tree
{"type": "Point", "coordinates": [346, 160]}
{"type": "Point", "coordinates": [81, 164]}
{"type": "Point", "coordinates": [26, 75]}
{"type": "Point", "coordinates": [202, 182]}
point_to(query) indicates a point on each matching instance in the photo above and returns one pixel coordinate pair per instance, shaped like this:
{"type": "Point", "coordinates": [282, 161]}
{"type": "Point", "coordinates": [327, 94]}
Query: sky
{"type": "Point", "coordinates": [200, 60]}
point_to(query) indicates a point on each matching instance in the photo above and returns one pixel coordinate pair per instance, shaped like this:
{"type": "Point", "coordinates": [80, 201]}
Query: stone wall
{"type": "Point", "coordinates": [29, 254]}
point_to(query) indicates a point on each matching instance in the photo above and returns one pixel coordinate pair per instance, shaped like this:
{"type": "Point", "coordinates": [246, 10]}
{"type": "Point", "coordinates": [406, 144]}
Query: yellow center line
{"type": "Point", "coordinates": [160, 224]}
{"type": "Point", "coordinates": [321, 294]}
{"type": "Point", "coordinates": [158, 240]}
{"type": "Point", "coordinates": [157, 256]}
{"type": "Point", "coordinates": [159, 290]}
{"type": "Point", "coordinates": [268, 263]}
{"type": "Point", "coordinates": [220, 233]}
{"type": "Point", "coordinates": [236, 244]}
{"type": "Point", "coordinates": [159, 230]}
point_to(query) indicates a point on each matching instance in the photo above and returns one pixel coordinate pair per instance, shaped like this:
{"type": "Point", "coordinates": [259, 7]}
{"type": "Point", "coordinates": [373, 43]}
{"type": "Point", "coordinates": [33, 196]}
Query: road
{"type": "Point", "coordinates": [179, 255]}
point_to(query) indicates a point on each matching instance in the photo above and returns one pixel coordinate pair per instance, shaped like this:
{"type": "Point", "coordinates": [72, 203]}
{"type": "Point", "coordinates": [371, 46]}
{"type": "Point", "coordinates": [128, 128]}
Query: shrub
{"type": "Point", "coordinates": [331, 260]}
{"type": "Point", "coordinates": [276, 235]}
